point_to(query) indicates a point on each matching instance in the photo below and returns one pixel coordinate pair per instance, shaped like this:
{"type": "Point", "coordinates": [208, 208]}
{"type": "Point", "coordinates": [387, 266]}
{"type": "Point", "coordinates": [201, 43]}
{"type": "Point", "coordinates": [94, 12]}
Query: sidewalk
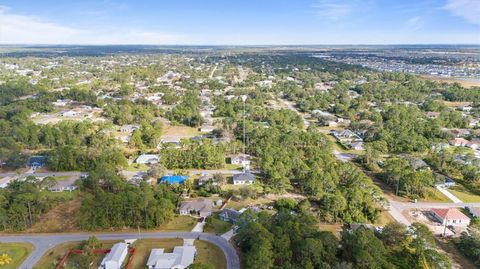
{"type": "Point", "coordinates": [449, 194]}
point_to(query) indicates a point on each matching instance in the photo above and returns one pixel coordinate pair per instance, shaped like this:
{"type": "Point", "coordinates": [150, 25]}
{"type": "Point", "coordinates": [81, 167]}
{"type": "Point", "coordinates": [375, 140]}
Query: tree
{"type": "Point", "coordinates": [5, 259]}
{"type": "Point", "coordinates": [156, 171]}
{"type": "Point", "coordinates": [364, 250]}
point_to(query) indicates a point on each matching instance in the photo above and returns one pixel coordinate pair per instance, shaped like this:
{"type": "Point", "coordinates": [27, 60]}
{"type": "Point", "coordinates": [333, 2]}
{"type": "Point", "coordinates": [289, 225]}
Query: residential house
{"type": "Point", "coordinates": [243, 178]}
{"type": "Point", "coordinates": [240, 159]}
{"type": "Point", "coordinates": [450, 216]}
{"type": "Point", "coordinates": [173, 141]}
{"type": "Point", "coordinates": [449, 182]}
{"type": "Point", "coordinates": [37, 161]}
{"type": "Point", "coordinates": [114, 259]}
{"type": "Point", "coordinates": [129, 128]}
{"type": "Point", "coordinates": [230, 215]}
{"type": "Point", "coordinates": [358, 145]}
{"type": "Point", "coordinates": [148, 159]}
{"type": "Point", "coordinates": [64, 185]}
{"type": "Point", "coordinates": [346, 136]}
{"type": "Point", "coordinates": [181, 258]}
{"type": "Point", "coordinates": [199, 207]}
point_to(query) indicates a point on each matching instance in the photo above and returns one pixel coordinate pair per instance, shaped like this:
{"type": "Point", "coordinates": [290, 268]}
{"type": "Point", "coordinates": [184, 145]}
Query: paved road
{"type": "Point", "coordinates": [396, 208]}
{"type": "Point", "coordinates": [42, 243]}
{"type": "Point", "coordinates": [70, 174]}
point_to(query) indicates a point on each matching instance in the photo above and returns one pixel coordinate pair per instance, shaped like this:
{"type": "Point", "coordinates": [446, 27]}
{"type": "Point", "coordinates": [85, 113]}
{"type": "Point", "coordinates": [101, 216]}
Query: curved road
{"type": "Point", "coordinates": [42, 243]}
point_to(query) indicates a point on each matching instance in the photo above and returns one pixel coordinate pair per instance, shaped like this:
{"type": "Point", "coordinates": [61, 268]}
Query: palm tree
{"type": "Point", "coordinates": [5, 259]}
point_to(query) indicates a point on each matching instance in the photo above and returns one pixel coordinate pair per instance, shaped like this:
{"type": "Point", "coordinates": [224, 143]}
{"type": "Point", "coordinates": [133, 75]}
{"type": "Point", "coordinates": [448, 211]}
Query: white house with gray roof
{"type": "Point", "coordinates": [180, 258]}
{"type": "Point", "coordinates": [114, 259]}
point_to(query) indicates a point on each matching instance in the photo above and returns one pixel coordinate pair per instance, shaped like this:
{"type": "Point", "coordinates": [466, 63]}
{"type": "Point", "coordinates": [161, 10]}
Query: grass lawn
{"type": "Point", "coordinates": [435, 196]}
{"type": "Point", "coordinates": [334, 228]}
{"type": "Point", "coordinates": [137, 167]}
{"type": "Point", "coordinates": [179, 223]}
{"type": "Point", "coordinates": [230, 166]}
{"type": "Point", "coordinates": [210, 254]}
{"type": "Point", "coordinates": [53, 255]}
{"type": "Point", "coordinates": [216, 226]}
{"type": "Point", "coordinates": [384, 219]}
{"type": "Point", "coordinates": [17, 252]}
{"type": "Point", "coordinates": [464, 194]}
{"type": "Point", "coordinates": [144, 246]}
{"type": "Point", "coordinates": [180, 130]}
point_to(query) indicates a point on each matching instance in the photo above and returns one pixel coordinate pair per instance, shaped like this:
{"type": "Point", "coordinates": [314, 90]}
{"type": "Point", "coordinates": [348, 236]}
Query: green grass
{"type": "Point", "coordinates": [137, 167]}
{"type": "Point", "coordinates": [217, 226]}
{"type": "Point", "coordinates": [230, 166]}
{"type": "Point", "coordinates": [464, 194]}
{"type": "Point", "coordinates": [436, 196]}
{"type": "Point", "coordinates": [18, 252]}
{"type": "Point", "coordinates": [210, 254]}
{"type": "Point", "coordinates": [180, 223]}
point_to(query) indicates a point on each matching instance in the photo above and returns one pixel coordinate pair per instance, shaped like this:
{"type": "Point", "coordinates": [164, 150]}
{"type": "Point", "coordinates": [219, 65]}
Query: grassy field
{"type": "Point", "coordinates": [384, 219]}
{"type": "Point", "coordinates": [464, 194]}
{"type": "Point", "coordinates": [180, 130]}
{"type": "Point", "coordinates": [144, 246]}
{"type": "Point", "coordinates": [137, 167]}
{"type": "Point", "coordinates": [217, 226]}
{"type": "Point", "coordinates": [210, 254]}
{"type": "Point", "coordinates": [17, 252]}
{"type": "Point", "coordinates": [179, 223]}
{"type": "Point", "coordinates": [61, 178]}
{"type": "Point", "coordinates": [435, 196]}
{"type": "Point", "coordinates": [53, 255]}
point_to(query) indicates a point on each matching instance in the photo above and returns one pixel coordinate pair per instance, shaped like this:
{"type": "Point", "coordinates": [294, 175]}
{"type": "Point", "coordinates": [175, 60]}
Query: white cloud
{"type": "Point", "coordinates": [467, 9]}
{"type": "Point", "coordinates": [332, 10]}
{"type": "Point", "coordinates": [415, 23]}
{"type": "Point", "coordinates": [336, 10]}
{"type": "Point", "coordinates": [24, 29]}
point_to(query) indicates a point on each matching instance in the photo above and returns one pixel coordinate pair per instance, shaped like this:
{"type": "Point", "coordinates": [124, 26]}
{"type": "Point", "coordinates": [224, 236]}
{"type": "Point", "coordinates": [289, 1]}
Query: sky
{"type": "Point", "coordinates": [240, 22]}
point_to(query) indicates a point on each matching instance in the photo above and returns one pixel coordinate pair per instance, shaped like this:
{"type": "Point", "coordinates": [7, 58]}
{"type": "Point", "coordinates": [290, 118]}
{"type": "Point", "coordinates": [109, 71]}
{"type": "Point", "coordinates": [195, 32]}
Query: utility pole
{"type": "Point", "coordinates": [244, 98]}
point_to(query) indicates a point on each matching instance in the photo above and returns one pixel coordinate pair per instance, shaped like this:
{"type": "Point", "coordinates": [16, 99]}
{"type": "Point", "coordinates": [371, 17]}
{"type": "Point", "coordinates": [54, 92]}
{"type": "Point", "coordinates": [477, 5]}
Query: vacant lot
{"type": "Point", "coordinates": [17, 251]}
{"type": "Point", "coordinates": [217, 226]}
{"type": "Point", "coordinates": [464, 194]}
{"type": "Point", "coordinates": [210, 254]}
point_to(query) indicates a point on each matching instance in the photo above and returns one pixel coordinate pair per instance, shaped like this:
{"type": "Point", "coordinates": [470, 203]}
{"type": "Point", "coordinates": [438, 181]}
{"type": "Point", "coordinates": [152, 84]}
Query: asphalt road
{"type": "Point", "coordinates": [42, 243]}
{"type": "Point", "coordinates": [71, 174]}
{"type": "Point", "coordinates": [396, 208]}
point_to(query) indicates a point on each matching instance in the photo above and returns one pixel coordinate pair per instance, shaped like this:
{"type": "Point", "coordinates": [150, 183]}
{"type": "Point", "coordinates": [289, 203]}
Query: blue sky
{"type": "Point", "coordinates": [240, 22]}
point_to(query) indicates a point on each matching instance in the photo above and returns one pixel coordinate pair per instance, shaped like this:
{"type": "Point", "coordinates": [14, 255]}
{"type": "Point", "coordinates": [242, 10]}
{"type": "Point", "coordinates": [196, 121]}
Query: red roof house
{"type": "Point", "coordinates": [450, 216]}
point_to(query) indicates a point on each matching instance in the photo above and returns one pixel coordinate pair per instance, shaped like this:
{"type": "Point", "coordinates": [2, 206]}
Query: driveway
{"type": "Point", "coordinates": [449, 194]}
{"type": "Point", "coordinates": [42, 243]}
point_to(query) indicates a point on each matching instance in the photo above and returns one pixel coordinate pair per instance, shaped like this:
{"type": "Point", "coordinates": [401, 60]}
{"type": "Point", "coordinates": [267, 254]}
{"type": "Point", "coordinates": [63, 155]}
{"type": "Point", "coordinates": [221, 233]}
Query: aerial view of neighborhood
{"type": "Point", "coordinates": [126, 156]}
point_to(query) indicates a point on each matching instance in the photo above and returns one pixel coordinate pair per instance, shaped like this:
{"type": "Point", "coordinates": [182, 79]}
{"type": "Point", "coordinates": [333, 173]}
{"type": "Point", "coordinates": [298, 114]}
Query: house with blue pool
{"type": "Point", "coordinates": [173, 179]}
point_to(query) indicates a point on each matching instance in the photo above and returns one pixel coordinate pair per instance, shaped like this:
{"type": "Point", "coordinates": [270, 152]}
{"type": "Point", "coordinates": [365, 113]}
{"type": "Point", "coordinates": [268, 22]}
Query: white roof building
{"type": "Point", "coordinates": [114, 259]}
{"type": "Point", "coordinates": [148, 159]}
{"type": "Point", "coordinates": [180, 258]}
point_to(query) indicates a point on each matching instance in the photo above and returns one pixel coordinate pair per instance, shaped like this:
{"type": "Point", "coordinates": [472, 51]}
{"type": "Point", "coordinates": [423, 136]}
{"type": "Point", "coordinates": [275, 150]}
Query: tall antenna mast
{"type": "Point", "coordinates": [244, 98]}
